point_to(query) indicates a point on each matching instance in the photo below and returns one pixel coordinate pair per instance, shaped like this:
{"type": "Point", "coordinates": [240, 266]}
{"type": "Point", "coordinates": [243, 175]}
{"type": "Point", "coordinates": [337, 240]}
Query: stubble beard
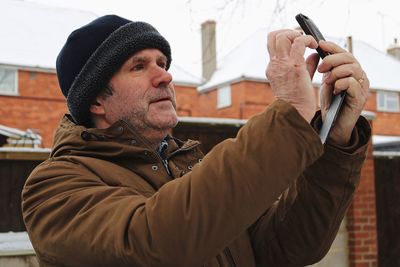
{"type": "Point", "coordinates": [150, 131]}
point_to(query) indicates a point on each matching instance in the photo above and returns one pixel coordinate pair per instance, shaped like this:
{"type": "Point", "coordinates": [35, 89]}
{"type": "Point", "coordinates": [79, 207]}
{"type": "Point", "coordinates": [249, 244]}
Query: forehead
{"type": "Point", "coordinates": [148, 53]}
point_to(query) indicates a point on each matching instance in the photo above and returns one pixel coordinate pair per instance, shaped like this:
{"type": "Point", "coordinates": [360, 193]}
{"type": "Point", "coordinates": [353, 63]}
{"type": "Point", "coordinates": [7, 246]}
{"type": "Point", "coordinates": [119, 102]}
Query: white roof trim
{"type": "Point", "coordinates": [28, 68]}
{"type": "Point", "coordinates": [385, 139]}
{"type": "Point", "coordinates": [25, 149]}
{"type": "Point", "coordinates": [183, 83]}
{"type": "Point", "coordinates": [369, 115]}
{"type": "Point", "coordinates": [386, 154]}
{"type": "Point", "coordinates": [206, 87]}
{"type": "Point", "coordinates": [213, 121]}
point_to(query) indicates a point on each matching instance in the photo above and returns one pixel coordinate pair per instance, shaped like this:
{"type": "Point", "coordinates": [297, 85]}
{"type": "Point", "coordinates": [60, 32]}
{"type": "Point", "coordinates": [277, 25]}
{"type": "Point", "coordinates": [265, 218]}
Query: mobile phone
{"type": "Point", "coordinates": [310, 28]}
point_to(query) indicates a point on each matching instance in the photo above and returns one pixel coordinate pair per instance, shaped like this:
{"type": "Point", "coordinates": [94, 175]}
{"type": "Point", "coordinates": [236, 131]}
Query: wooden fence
{"type": "Point", "coordinates": [387, 186]}
{"type": "Point", "coordinates": [12, 173]}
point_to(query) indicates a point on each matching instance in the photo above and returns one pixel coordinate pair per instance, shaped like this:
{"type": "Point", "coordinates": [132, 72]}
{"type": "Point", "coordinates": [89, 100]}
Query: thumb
{"type": "Point", "coordinates": [312, 64]}
{"type": "Point", "coordinates": [326, 93]}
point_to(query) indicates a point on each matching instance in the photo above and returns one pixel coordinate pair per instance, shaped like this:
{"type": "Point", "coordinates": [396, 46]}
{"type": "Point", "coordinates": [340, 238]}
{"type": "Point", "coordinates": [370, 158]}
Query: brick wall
{"type": "Point", "coordinates": [361, 219]}
{"type": "Point", "coordinates": [187, 101]}
{"type": "Point", "coordinates": [385, 123]}
{"type": "Point", "coordinates": [38, 106]}
{"type": "Point", "coordinates": [248, 99]}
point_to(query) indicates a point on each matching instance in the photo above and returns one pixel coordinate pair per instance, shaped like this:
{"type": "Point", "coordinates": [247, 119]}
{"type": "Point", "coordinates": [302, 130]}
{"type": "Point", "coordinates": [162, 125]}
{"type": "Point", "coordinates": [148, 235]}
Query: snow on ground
{"type": "Point", "coordinates": [13, 241]}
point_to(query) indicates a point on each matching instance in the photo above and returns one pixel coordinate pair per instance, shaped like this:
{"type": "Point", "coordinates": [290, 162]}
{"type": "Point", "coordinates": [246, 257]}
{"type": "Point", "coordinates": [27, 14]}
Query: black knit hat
{"type": "Point", "coordinates": [94, 52]}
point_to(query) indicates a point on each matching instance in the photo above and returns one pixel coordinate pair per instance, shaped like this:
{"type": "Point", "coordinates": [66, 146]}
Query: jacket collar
{"type": "Point", "coordinates": [118, 140]}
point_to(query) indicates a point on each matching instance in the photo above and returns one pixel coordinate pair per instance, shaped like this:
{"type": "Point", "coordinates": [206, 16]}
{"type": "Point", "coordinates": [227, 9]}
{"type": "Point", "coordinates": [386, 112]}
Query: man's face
{"type": "Point", "coordinates": [143, 93]}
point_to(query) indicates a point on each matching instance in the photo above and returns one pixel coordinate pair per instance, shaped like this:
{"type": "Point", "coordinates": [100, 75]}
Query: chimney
{"type": "Point", "coordinates": [349, 44]}
{"type": "Point", "coordinates": [208, 45]}
{"type": "Point", "coordinates": [394, 49]}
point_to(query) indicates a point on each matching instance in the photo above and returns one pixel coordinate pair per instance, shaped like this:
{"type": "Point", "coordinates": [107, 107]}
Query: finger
{"type": "Point", "coordinates": [347, 70]}
{"type": "Point", "coordinates": [354, 87]}
{"type": "Point", "coordinates": [335, 60]}
{"type": "Point", "coordinates": [345, 84]}
{"type": "Point", "coordinates": [331, 47]}
{"type": "Point", "coordinates": [284, 42]}
{"type": "Point", "coordinates": [356, 94]}
{"type": "Point", "coordinates": [271, 43]}
{"type": "Point", "coordinates": [299, 47]}
{"type": "Point", "coordinates": [312, 64]}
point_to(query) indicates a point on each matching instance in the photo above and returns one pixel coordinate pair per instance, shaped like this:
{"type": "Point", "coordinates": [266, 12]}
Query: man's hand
{"type": "Point", "coordinates": [289, 73]}
{"type": "Point", "coordinates": [342, 72]}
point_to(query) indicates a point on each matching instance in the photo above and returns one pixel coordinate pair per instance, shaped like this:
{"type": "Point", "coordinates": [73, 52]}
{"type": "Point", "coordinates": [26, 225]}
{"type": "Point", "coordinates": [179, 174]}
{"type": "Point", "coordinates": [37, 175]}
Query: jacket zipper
{"type": "Point", "coordinates": [229, 256]}
{"type": "Point", "coordinates": [165, 161]}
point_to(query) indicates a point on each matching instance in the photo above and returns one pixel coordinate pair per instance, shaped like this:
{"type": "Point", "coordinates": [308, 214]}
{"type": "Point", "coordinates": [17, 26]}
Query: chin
{"type": "Point", "coordinates": [165, 121]}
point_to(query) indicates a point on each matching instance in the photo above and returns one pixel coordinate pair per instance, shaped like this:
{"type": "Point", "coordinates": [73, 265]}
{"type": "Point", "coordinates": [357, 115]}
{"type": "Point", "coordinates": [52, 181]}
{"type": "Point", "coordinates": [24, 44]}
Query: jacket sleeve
{"type": "Point", "coordinates": [77, 219]}
{"type": "Point", "coordinates": [300, 227]}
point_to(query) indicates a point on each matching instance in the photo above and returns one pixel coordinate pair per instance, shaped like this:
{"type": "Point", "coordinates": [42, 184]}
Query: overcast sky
{"type": "Point", "coordinates": [375, 21]}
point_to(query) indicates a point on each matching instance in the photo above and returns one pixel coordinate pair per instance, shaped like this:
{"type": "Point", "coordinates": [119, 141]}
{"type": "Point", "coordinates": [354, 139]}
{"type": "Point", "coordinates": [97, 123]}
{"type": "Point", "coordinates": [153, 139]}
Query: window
{"type": "Point", "coordinates": [8, 81]}
{"type": "Point", "coordinates": [388, 101]}
{"type": "Point", "coordinates": [224, 97]}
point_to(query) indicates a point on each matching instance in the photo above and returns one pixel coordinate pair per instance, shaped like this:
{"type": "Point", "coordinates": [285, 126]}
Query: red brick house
{"type": "Point", "coordinates": [235, 87]}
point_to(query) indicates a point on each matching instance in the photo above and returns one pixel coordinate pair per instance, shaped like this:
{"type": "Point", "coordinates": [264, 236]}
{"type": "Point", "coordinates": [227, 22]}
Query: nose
{"type": "Point", "coordinates": [161, 77]}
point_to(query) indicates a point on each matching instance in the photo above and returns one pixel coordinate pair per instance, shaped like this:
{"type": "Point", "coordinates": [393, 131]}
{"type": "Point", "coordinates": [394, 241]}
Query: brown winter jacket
{"type": "Point", "coordinates": [273, 196]}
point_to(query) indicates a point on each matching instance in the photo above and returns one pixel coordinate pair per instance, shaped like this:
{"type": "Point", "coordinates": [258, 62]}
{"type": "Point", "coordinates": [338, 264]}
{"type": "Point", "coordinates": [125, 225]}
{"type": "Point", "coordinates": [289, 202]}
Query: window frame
{"type": "Point", "coordinates": [15, 90]}
{"type": "Point", "coordinates": [387, 96]}
{"type": "Point", "coordinates": [224, 96]}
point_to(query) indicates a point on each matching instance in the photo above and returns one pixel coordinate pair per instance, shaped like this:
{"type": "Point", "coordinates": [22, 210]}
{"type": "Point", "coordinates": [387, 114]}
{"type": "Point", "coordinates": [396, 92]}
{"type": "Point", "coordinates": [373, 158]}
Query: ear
{"type": "Point", "coordinates": [97, 106]}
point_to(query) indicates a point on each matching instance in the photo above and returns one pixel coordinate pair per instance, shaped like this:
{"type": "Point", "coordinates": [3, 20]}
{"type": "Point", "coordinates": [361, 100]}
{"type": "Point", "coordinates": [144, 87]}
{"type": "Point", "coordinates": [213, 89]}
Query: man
{"type": "Point", "coordinates": [118, 190]}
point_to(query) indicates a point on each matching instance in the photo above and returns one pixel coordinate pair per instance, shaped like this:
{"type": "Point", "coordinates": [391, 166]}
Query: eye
{"type": "Point", "coordinates": [163, 64]}
{"type": "Point", "coordinates": [137, 67]}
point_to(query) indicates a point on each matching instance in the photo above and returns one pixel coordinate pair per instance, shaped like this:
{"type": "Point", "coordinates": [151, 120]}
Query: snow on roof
{"type": "Point", "coordinates": [249, 61]}
{"type": "Point", "coordinates": [33, 34]}
{"type": "Point", "coordinates": [182, 77]}
{"type": "Point", "coordinates": [16, 137]}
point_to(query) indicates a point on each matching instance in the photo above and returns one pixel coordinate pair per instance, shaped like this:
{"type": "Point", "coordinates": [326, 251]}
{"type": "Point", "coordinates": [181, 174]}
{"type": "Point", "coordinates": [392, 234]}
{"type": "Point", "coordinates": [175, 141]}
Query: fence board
{"type": "Point", "coordinates": [387, 175]}
{"type": "Point", "coordinates": [13, 174]}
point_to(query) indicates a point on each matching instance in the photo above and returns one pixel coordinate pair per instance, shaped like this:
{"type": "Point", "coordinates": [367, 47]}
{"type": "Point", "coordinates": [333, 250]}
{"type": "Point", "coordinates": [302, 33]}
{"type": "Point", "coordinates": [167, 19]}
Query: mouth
{"type": "Point", "coordinates": [161, 99]}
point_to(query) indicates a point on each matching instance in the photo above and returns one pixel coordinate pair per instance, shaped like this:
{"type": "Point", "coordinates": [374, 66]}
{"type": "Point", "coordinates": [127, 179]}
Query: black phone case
{"type": "Point", "coordinates": [310, 28]}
